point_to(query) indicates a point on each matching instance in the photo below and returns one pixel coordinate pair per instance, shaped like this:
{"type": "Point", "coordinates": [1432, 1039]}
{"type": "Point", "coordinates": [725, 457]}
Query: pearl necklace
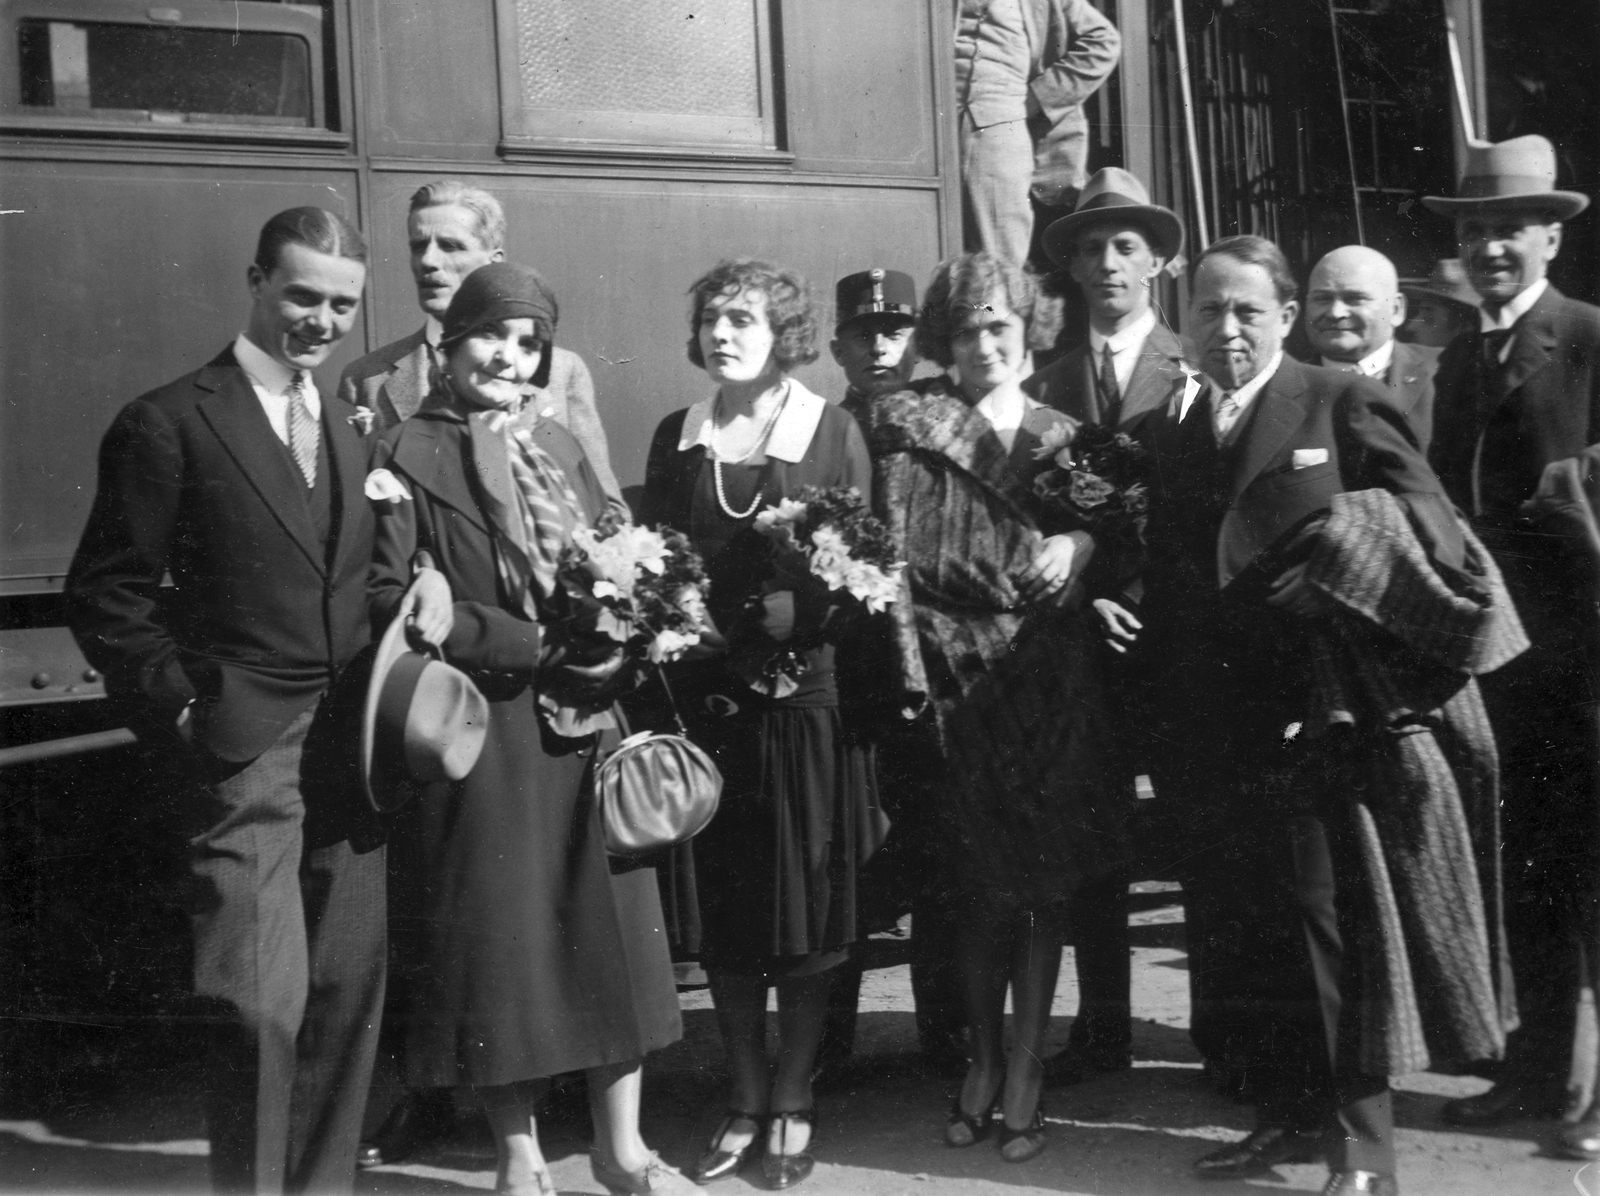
{"type": "Point", "coordinates": [716, 458]}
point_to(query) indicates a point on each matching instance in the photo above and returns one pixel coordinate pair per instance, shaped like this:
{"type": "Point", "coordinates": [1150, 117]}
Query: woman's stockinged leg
{"type": "Point", "coordinates": [802, 1012]}
{"type": "Point", "coordinates": [983, 953]}
{"type": "Point", "coordinates": [520, 1168]}
{"type": "Point", "coordinates": [741, 1005]}
{"type": "Point", "coordinates": [1035, 964]}
{"type": "Point", "coordinates": [614, 1094]}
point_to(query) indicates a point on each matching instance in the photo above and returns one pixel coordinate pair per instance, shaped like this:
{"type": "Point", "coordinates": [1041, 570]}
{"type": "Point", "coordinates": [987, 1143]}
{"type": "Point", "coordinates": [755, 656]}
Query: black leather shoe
{"type": "Point", "coordinates": [419, 1118]}
{"type": "Point", "coordinates": [1504, 1102]}
{"type": "Point", "coordinates": [1581, 1139]}
{"type": "Point", "coordinates": [1262, 1150]}
{"type": "Point", "coordinates": [784, 1170]}
{"type": "Point", "coordinates": [1361, 1183]}
{"type": "Point", "coordinates": [717, 1163]}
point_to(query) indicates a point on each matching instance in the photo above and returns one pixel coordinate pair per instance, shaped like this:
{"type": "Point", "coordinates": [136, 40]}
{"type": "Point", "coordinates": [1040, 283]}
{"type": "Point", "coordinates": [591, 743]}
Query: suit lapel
{"type": "Point", "coordinates": [407, 382]}
{"type": "Point", "coordinates": [1280, 409]}
{"type": "Point", "coordinates": [234, 414]}
{"type": "Point", "coordinates": [429, 452]}
{"type": "Point", "coordinates": [1156, 373]}
{"type": "Point", "coordinates": [1531, 343]}
{"type": "Point", "coordinates": [347, 454]}
{"type": "Point", "coordinates": [1404, 378]}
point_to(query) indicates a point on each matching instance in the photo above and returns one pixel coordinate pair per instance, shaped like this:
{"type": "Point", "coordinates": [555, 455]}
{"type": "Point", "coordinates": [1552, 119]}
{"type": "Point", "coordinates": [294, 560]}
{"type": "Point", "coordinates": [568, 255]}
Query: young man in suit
{"type": "Point", "coordinates": [1114, 245]}
{"type": "Point", "coordinates": [1519, 404]}
{"type": "Point", "coordinates": [452, 229]}
{"type": "Point", "coordinates": [1241, 467]}
{"type": "Point", "coordinates": [245, 486]}
{"type": "Point", "coordinates": [1353, 308]}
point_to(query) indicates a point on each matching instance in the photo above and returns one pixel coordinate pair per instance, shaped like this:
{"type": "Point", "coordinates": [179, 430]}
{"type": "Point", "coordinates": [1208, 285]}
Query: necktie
{"type": "Point", "coordinates": [1225, 413]}
{"type": "Point", "coordinates": [303, 430]}
{"type": "Point", "coordinates": [1494, 343]}
{"type": "Point", "coordinates": [550, 507]}
{"type": "Point", "coordinates": [1110, 394]}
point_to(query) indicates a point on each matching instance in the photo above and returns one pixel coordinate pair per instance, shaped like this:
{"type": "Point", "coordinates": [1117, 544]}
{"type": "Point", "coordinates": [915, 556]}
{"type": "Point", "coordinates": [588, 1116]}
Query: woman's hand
{"type": "Point", "coordinates": [432, 611]}
{"type": "Point", "coordinates": [1121, 625]}
{"type": "Point", "coordinates": [1059, 560]}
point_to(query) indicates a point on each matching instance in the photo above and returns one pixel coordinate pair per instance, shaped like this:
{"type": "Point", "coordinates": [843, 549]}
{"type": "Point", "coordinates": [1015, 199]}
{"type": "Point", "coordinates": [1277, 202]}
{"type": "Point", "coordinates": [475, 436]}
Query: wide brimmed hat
{"type": "Point", "coordinates": [1448, 281]}
{"type": "Point", "coordinates": [1515, 175]}
{"type": "Point", "coordinates": [423, 724]}
{"type": "Point", "coordinates": [1114, 194]}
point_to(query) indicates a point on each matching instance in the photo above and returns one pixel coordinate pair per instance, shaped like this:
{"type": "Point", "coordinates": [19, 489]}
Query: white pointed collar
{"type": "Point", "coordinates": [791, 435]}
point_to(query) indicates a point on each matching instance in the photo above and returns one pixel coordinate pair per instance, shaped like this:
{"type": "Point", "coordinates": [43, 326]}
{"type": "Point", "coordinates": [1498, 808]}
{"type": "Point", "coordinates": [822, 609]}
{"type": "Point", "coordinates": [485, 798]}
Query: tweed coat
{"type": "Point", "coordinates": [1395, 668]}
{"type": "Point", "coordinates": [1015, 693]}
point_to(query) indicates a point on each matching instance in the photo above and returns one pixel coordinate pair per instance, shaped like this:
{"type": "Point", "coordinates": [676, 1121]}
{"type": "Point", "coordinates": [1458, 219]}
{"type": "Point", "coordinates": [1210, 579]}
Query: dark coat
{"type": "Point", "coordinates": [1016, 696]}
{"type": "Point", "coordinates": [1543, 407]}
{"type": "Point", "coordinates": [1069, 385]}
{"type": "Point", "coordinates": [261, 616]}
{"type": "Point", "coordinates": [1411, 387]}
{"type": "Point", "coordinates": [535, 963]}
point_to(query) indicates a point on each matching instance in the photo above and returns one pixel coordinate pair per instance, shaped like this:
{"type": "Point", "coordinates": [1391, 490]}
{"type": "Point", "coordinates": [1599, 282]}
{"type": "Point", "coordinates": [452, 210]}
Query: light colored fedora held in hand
{"type": "Point", "coordinates": [423, 724]}
{"type": "Point", "coordinates": [1515, 175]}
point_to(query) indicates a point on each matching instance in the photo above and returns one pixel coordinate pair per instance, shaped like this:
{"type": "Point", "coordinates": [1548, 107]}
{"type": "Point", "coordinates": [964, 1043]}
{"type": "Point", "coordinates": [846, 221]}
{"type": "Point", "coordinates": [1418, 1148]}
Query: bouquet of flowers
{"type": "Point", "coordinates": [828, 541]}
{"type": "Point", "coordinates": [642, 589]}
{"type": "Point", "coordinates": [1096, 478]}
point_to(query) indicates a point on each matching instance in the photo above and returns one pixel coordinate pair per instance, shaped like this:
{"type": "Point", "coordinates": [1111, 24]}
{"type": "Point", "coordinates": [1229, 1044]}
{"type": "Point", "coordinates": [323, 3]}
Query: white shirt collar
{"type": "Point", "coordinates": [270, 379]}
{"type": "Point", "coordinates": [1130, 337]}
{"type": "Point", "coordinates": [1374, 365]}
{"type": "Point", "coordinates": [1243, 396]}
{"type": "Point", "coordinates": [791, 435]}
{"type": "Point", "coordinates": [1513, 309]}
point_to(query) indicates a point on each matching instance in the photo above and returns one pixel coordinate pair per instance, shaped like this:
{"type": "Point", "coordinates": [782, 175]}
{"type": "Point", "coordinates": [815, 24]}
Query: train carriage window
{"type": "Point", "coordinates": [693, 79]}
{"type": "Point", "coordinates": [256, 66]}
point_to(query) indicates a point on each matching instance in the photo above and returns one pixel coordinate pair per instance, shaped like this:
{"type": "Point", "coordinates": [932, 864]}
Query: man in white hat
{"type": "Point", "coordinates": [1353, 308]}
{"type": "Point", "coordinates": [1518, 408]}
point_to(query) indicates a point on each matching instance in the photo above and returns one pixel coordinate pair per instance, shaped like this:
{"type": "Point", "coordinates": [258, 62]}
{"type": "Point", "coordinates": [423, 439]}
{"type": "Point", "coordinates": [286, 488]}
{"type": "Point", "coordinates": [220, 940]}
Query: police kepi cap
{"type": "Point", "coordinates": [874, 292]}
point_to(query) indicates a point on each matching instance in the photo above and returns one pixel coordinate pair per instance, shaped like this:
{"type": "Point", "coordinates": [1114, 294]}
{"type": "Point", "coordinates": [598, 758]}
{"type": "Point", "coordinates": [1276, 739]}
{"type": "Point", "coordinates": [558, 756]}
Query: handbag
{"type": "Point", "coordinates": [656, 789]}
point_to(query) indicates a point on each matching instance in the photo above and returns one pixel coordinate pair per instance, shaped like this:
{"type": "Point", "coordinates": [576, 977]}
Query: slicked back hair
{"type": "Point", "coordinates": [961, 284]}
{"type": "Point", "coordinates": [316, 228]}
{"type": "Point", "coordinates": [1257, 251]}
{"type": "Point", "coordinates": [790, 314]}
{"type": "Point", "coordinates": [487, 213]}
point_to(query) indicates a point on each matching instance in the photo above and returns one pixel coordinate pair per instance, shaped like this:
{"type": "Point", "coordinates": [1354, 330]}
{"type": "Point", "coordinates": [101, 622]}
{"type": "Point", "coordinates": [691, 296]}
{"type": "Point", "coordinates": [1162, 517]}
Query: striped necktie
{"type": "Point", "coordinates": [1225, 413]}
{"type": "Point", "coordinates": [550, 507]}
{"type": "Point", "coordinates": [304, 433]}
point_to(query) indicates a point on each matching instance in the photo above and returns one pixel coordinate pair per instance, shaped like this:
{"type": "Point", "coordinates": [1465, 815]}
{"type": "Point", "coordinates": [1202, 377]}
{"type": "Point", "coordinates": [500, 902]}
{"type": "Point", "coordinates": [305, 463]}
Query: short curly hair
{"type": "Point", "coordinates": [789, 309]}
{"type": "Point", "coordinates": [961, 284]}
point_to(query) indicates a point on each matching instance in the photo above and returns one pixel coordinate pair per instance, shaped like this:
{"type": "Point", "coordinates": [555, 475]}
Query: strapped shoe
{"type": "Point", "coordinates": [718, 1163]}
{"type": "Point", "coordinates": [1260, 1151]}
{"type": "Point", "coordinates": [655, 1176]}
{"type": "Point", "coordinates": [784, 1170]}
{"type": "Point", "coordinates": [1018, 1146]}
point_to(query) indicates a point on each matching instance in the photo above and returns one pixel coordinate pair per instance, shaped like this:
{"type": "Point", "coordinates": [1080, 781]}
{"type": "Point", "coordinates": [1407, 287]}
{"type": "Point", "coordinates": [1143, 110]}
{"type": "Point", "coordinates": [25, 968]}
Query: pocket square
{"type": "Point", "coordinates": [1305, 458]}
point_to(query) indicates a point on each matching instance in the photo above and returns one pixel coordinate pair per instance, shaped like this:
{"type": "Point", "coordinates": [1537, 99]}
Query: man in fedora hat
{"type": "Point", "coordinates": [1114, 245]}
{"type": "Point", "coordinates": [1519, 398]}
{"type": "Point", "coordinates": [1441, 307]}
{"type": "Point", "coordinates": [1353, 307]}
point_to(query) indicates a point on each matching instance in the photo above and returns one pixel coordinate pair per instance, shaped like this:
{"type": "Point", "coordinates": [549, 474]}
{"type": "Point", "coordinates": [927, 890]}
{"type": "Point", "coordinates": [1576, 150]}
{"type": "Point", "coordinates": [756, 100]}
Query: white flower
{"type": "Point", "coordinates": [361, 421]}
{"type": "Point", "coordinates": [1055, 439]}
{"type": "Point", "coordinates": [777, 523]}
{"type": "Point", "coordinates": [606, 589]}
{"type": "Point", "coordinates": [383, 486]}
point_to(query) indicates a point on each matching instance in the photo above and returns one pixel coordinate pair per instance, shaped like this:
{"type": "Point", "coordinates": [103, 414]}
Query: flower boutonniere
{"type": "Point", "coordinates": [361, 421]}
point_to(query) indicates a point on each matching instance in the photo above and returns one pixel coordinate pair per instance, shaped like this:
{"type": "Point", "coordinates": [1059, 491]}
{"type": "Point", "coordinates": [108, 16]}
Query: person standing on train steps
{"type": "Point", "coordinates": [245, 485]}
{"type": "Point", "coordinates": [1354, 306]}
{"type": "Point", "coordinates": [452, 229]}
{"type": "Point", "coordinates": [875, 312]}
{"type": "Point", "coordinates": [1024, 69]}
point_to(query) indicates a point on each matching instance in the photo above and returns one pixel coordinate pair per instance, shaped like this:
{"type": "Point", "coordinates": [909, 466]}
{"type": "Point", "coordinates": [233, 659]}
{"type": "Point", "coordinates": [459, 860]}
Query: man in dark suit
{"type": "Point", "coordinates": [245, 485]}
{"type": "Point", "coordinates": [1519, 400]}
{"type": "Point", "coordinates": [1242, 469]}
{"type": "Point", "coordinates": [1353, 307]}
{"type": "Point", "coordinates": [1114, 245]}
